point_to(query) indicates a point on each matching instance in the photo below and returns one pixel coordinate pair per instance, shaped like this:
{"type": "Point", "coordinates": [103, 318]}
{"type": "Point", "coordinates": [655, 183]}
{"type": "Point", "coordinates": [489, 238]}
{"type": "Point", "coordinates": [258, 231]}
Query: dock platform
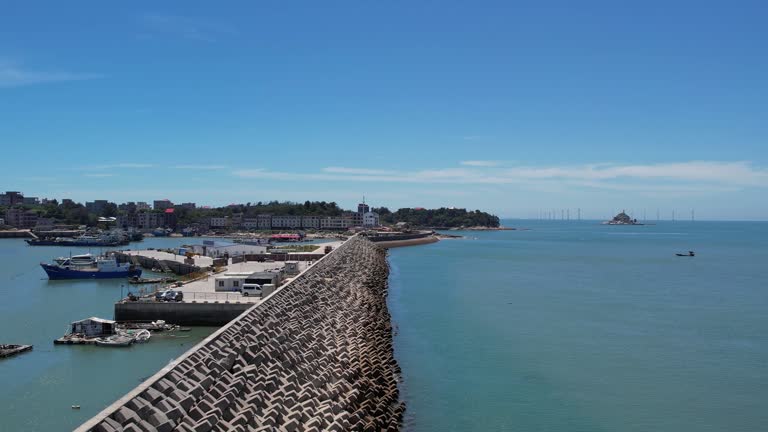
{"type": "Point", "coordinates": [12, 350]}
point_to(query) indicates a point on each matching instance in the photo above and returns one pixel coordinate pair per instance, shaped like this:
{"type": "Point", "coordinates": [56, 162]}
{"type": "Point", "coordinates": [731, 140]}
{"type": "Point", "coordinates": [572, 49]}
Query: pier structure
{"type": "Point", "coordinates": [315, 355]}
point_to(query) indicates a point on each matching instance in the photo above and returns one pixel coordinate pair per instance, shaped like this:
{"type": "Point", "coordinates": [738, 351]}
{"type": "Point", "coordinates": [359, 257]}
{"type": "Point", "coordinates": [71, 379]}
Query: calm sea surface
{"type": "Point", "coordinates": [38, 388]}
{"type": "Point", "coordinates": [571, 326]}
{"type": "Point", "coordinates": [575, 326]}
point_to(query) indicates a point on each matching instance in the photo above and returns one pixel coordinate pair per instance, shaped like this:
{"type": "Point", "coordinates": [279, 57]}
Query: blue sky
{"type": "Point", "coordinates": [508, 107]}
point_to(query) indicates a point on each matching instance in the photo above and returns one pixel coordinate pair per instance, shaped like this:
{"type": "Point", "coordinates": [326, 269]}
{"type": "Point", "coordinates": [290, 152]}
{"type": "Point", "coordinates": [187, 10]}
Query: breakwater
{"type": "Point", "coordinates": [404, 239]}
{"type": "Point", "coordinates": [316, 355]}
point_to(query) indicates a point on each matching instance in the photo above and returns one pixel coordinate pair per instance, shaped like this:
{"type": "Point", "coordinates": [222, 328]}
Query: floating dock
{"type": "Point", "coordinates": [12, 350]}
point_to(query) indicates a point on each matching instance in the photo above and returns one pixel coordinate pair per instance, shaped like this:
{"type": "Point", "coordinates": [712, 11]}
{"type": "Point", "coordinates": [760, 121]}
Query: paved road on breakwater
{"type": "Point", "coordinates": [314, 356]}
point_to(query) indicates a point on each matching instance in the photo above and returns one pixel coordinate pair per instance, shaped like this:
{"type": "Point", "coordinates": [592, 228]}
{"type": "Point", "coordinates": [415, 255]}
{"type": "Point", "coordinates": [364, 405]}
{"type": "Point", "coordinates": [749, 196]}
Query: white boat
{"type": "Point", "coordinates": [115, 341]}
{"type": "Point", "coordinates": [141, 336]}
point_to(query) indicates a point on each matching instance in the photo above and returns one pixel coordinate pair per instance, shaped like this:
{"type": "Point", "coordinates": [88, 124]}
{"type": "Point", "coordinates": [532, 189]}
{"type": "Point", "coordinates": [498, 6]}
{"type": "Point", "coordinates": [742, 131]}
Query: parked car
{"type": "Point", "coordinates": [173, 296]}
{"type": "Point", "coordinates": [160, 295]}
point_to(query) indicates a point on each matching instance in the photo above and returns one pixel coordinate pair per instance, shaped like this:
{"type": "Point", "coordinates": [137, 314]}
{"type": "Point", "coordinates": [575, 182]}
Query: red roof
{"type": "Point", "coordinates": [169, 210]}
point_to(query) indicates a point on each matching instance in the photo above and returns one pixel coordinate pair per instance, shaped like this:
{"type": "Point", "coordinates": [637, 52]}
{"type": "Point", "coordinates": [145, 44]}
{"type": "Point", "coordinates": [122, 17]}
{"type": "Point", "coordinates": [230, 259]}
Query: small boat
{"type": "Point", "coordinates": [115, 341]}
{"type": "Point", "coordinates": [689, 254]}
{"type": "Point", "coordinates": [141, 336]}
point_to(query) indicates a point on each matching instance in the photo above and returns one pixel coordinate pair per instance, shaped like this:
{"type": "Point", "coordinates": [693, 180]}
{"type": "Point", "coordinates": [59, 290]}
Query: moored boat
{"type": "Point", "coordinates": [115, 341]}
{"type": "Point", "coordinates": [105, 268]}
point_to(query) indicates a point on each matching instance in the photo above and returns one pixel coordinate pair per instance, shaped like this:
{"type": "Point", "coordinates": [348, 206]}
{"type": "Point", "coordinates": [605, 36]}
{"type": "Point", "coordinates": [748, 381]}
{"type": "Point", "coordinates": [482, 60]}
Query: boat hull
{"type": "Point", "coordinates": [57, 273]}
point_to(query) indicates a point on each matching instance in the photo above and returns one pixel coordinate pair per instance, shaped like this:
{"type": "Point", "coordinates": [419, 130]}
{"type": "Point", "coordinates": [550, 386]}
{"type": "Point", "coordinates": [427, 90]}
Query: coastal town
{"type": "Point", "coordinates": [164, 217]}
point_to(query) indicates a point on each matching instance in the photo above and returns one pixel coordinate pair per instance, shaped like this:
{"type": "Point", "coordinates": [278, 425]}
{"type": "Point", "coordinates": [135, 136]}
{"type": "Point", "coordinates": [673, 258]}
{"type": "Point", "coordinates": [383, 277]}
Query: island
{"type": "Point", "coordinates": [622, 219]}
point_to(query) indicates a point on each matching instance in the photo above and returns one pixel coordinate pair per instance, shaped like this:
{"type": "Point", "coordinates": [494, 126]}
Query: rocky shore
{"type": "Point", "coordinates": [316, 355]}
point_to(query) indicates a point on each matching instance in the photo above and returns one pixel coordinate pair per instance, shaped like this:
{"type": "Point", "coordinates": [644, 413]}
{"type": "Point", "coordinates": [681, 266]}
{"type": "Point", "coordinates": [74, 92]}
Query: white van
{"type": "Point", "coordinates": [251, 289]}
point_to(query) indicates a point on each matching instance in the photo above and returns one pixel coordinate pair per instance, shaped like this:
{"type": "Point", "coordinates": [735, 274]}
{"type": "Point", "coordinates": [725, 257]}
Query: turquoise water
{"type": "Point", "coordinates": [575, 326]}
{"type": "Point", "coordinates": [38, 388]}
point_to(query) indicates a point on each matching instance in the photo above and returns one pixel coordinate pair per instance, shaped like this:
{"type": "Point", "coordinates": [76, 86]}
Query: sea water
{"type": "Point", "coordinates": [577, 326]}
{"type": "Point", "coordinates": [38, 388]}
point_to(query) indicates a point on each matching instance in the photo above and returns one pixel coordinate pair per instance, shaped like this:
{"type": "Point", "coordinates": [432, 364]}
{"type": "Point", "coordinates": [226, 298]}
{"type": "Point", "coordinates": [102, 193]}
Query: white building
{"type": "Point", "coordinates": [310, 222]}
{"type": "Point", "coordinates": [336, 223]}
{"type": "Point", "coordinates": [219, 222]}
{"type": "Point", "coordinates": [231, 281]}
{"type": "Point", "coordinates": [250, 223]}
{"type": "Point", "coordinates": [371, 219]}
{"type": "Point", "coordinates": [288, 221]}
{"type": "Point", "coordinates": [265, 222]}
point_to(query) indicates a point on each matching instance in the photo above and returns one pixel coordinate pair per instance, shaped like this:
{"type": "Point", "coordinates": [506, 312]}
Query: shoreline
{"type": "Point", "coordinates": [410, 242]}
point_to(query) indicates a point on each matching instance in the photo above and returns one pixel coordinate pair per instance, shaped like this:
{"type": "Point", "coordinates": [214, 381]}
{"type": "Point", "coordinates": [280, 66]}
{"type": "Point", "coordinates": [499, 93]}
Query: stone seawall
{"type": "Point", "coordinates": [316, 355]}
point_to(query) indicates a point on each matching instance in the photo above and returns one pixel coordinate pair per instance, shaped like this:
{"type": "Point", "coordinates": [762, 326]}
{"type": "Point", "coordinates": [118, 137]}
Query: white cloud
{"type": "Point", "coordinates": [361, 171]}
{"type": "Point", "coordinates": [681, 176]}
{"type": "Point", "coordinates": [117, 166]}
{"type": "Point", "coordinates": [13, 74]}
{"type": "Point", "coordinates": [201, 167]}
{"type": "Point", "coordinates": [481, 163]}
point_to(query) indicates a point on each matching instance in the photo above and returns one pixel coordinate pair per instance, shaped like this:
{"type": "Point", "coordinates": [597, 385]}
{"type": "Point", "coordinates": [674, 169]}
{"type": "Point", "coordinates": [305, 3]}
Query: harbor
{"type": "Point", "coordinates": [36, 311]}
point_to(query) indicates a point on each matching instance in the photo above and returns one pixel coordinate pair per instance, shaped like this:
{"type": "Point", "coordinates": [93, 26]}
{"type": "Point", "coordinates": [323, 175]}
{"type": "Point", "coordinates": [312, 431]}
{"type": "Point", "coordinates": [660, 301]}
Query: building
{"type": "Point", "coordinates": [265, 222]}
{"type": "Point", "coordinates": [236, 220]}
{"type": "Point", "coordinates": [370, 219]}
{"type": "Point", "coordinates": [219, 222]}
{"type": "Point", "coordinates": [93, 327]}
{"type": "Point", "coordinates": [230, 281]}
{"type": "Point", "coordinates": [66, 202]}
{"type": "Point", "coordinates": [11, 198]}
{"type": "Point", "coordinates": [150, 220]}
{"type": "Point", "coordinates": [129, 207]}
{"type": "Point", "coordinates": [287, 221]}
{"type": "Point", "coordinates": [250, 223]}
{"type": "Point", "coordinates": [130, 220]}
{"type": "Point", "coordinates": [21, 218]}
{"type": "Point", "coordinates": [363, 208]}
{"type": "Point", "coordinates": [31, 201]}
{"type": "Point", "coordinates": [187, 206]}
{"type": "Point", "coordinates": [141, 205]}
{"type": "Point", "coordinates": [162, 204]}
{"type": "Point", "coordinates": [310, 222]}
{"type": "Point", "coordinates": [234, 281]}
{"type": "Point", "coordinates": [96, 207]}
{"type": "Point", "coordinates": [336, 222]}
{"type": "Point", "coordinates": [170, 217]}
{"type": "Point", "coordinates": [2, 221]}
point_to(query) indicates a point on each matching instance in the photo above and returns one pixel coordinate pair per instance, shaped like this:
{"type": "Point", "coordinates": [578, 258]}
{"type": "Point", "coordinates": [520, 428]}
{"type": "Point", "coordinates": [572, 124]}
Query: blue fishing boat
{"type": "Point", "coordinates": [105, 268]}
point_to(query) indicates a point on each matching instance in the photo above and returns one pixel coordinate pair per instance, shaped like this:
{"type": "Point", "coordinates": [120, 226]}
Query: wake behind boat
{"type": "Point", "coordinates": [104, 268]}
